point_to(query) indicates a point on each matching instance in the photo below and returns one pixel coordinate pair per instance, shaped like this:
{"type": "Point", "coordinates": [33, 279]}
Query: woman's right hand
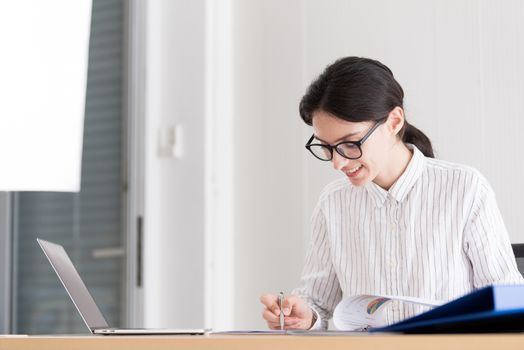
{"type": "Point", "coordinates": [297, 313]}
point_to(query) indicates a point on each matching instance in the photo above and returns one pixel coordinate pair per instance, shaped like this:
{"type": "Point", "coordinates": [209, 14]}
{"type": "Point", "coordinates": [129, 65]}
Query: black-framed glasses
{"type": "Point", "coordinates": [347, 149]}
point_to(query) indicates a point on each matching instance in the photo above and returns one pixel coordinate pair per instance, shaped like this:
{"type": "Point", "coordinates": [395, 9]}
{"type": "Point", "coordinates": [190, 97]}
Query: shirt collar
{"type": "Point", "coordinates": [404, 183]}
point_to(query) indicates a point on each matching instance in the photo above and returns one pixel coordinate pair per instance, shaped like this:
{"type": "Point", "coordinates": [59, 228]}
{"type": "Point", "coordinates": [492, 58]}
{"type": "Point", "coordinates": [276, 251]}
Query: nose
{"type": "Point", "coordinates": [339, 162]}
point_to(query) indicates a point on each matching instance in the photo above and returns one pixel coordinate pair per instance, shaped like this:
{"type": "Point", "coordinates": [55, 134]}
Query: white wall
{"type": "Point", "coordinates": [268, 194]}
{"type": "Point", "coordinates": [174, 188]}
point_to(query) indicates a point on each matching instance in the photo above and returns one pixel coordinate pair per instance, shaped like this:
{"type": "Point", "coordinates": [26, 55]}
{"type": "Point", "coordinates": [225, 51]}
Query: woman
{"type": "Point", "coordinates": [405, 223]}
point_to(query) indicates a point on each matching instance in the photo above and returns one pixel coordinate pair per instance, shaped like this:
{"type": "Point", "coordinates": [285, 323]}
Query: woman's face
{"type": "Point", "coordinates": [375, 150]}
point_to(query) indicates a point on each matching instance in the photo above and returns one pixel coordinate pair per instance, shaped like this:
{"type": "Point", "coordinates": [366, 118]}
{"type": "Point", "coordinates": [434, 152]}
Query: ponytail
{"type": "Point", "coordinates": [410, 134]}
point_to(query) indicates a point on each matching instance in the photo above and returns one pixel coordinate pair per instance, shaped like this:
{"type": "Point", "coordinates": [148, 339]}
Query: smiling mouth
{"type": "Point", "coordinates": [354, 170]}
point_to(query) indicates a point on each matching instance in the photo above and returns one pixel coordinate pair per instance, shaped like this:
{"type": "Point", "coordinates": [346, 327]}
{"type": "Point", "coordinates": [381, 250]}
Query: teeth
{"type": "Point", "coordinates": [354, 169]}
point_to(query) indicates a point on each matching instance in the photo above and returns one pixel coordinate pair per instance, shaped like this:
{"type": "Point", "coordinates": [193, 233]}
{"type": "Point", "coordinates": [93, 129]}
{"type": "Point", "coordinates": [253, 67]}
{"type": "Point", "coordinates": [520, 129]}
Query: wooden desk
{"type": "Point", "coordinates": [273, 342]}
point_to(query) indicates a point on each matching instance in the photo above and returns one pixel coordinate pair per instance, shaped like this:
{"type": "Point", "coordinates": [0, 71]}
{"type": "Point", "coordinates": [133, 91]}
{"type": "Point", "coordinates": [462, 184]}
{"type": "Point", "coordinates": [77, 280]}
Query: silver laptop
{"type": "Point", "coordinates": [84, 302]}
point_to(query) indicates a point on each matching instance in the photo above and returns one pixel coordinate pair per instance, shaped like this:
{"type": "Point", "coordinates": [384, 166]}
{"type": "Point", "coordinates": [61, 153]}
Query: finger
{"type": "Point", "coordinates": [273, 326]}
{"type": "Point", "coordinates": [294, 323]}
{"type": "Point", "coordinates": [270, 316]}
{"type": "Point", "coordinates": [270, 301]}
{"type": "Point", "coordinates": [288, 304]}
{"type": "Point", "coordinates": [290, 321]}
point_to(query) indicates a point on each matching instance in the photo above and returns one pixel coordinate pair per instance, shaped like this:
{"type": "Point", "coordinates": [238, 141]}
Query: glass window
{"type": "Point", "coordinates": [83, 222]}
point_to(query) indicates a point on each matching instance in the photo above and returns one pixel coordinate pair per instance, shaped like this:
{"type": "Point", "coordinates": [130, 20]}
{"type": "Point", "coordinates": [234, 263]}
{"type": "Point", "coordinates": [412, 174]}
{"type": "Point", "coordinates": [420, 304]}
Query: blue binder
{"type": "Point", "coordinates": [496, 308]}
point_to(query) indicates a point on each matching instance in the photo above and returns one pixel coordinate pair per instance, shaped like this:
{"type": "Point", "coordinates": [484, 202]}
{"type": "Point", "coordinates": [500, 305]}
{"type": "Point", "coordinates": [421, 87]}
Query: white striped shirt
{"type": "Point", "coordinates": [436, 234]}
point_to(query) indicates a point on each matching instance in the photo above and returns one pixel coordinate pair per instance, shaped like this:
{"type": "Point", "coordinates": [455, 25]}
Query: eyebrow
{"type": "Point", "coordinates": [340, 139]}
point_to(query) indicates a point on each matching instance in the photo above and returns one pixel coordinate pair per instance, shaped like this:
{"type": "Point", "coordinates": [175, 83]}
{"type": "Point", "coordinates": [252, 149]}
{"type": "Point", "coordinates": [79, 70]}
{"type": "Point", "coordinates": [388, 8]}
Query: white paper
{"type": "Point", "coordinates": [250, 331]}
{"type": "Point", "coordinates": [43, 73]}
{"type": "Point", "coordinates": [360, 312]}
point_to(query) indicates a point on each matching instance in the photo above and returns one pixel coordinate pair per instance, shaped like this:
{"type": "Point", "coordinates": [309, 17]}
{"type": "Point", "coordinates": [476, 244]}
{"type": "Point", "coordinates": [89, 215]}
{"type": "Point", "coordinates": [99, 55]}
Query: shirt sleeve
{"type": "Point", "coordinates": [486, 242]}
{"type": "Point", "coordinates": [319, 283]}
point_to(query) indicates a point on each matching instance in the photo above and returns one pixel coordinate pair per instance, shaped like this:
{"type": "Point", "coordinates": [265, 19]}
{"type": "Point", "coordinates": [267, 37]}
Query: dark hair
{"type": "Point", "coordinates": [359, 89]}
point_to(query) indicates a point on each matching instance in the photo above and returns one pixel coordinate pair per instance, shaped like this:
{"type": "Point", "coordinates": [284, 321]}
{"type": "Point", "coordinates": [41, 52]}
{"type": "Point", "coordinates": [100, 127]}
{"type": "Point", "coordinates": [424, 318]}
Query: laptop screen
{"type": "Point", "coordinates": [74, 285]}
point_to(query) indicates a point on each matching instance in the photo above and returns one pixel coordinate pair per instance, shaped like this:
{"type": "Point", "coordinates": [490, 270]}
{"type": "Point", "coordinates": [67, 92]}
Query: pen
{"type": "Point", "coordinates": [280, 302]}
